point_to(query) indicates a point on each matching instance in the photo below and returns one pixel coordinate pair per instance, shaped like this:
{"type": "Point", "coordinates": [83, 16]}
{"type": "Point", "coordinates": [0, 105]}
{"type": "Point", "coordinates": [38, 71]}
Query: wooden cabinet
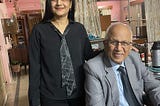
{"type": "Point", "coordinates": [25, 23]}
{"type": "Point", "coordinates": [20, 35]}
{"type": "Point", "coordinates": [9, 26]}
{"type": "Point", "coordinates": [33, 19]}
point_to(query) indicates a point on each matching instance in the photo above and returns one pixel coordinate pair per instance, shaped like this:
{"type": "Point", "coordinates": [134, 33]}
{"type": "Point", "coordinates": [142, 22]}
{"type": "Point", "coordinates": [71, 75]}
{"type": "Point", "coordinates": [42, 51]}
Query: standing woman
{"type": "Point", "coordinates": [58, 47]}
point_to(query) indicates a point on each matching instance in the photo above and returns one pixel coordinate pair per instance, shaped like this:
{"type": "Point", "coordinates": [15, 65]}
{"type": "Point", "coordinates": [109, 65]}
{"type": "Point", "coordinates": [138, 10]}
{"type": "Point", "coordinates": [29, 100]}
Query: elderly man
{"type": "Point", "coordinates": [117, 77]}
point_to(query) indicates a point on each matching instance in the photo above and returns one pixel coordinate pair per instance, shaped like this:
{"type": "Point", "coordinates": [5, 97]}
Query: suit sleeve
{"type": "Point", "coordinates": [93, 88]}
{"type": "Point", "coordinates": [151, 85]}
{"type": "Point", "coordinates": [34, 69]}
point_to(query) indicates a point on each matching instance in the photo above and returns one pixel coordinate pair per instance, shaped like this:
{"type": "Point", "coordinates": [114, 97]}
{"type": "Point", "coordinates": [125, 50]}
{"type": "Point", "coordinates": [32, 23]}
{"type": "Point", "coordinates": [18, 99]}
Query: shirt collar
{"type": "Point", "coordinates": [70, 21]}
{"type": "Point", "coordinates": [115, 65]}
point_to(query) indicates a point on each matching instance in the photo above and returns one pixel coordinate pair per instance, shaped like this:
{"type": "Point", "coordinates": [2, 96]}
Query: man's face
{"type": "Point", "coordinates": [118, 45]}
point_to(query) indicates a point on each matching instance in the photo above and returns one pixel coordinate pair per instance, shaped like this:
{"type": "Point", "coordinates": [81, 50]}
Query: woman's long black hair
{"type": "Point", "coordinates": [48, 14]}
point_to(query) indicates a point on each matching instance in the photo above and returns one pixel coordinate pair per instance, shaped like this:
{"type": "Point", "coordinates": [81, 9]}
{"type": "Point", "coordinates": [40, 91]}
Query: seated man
{"type": "Point", "coordinates": [117, 77]}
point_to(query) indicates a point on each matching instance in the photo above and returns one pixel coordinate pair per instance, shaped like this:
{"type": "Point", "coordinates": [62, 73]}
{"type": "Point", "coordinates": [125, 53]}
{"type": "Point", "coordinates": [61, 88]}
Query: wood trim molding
{"type": "Point", "coordinates": [136, 2]}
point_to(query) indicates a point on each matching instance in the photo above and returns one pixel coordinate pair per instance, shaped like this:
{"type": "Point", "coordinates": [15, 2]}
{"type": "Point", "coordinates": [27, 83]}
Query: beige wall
{"type": "Point", "coordinates": [2, 87]}
{"type": "Point", "coordinates": [5, 45]}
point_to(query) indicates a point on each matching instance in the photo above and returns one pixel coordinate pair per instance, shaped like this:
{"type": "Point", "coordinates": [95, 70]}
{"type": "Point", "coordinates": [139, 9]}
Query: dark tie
{"type": "Point", "coordinates": [68, 78]}
{"type": "Point", "coordinates": [128, 92]}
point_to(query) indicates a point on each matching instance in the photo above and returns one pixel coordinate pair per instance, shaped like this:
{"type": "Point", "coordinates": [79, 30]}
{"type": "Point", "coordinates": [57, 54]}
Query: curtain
{"type": "Point", "coordinates": [87, 13]}
{"type": "Point", "coordinates": [152, 8]}
{"type": "Point", "coordinates": [42, 7]}
{"type": "Point", "coordinates": [136, 16]}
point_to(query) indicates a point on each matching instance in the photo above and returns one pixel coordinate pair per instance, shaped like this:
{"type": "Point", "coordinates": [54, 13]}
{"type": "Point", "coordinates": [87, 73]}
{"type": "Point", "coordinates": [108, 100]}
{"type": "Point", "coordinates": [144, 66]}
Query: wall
{"type": "Point", "coordinates": [2, 87]}
{"type": "Point", "coordinates": [23, 5]}
{"type": "Point", "coordinates": [3, 10]}
{"type": "Point", "coordinates": [123, 10]}
{"type": "Point", "coordinates": [4, 46]}
{"type": "Point", "coordinates": [4, 69]}
{"type": "Point", "coordinates": [115, 12]}
{"type": "Point", "coordinates": [29, 5]}
{"type": "Point", "coordinates": [119, 8]}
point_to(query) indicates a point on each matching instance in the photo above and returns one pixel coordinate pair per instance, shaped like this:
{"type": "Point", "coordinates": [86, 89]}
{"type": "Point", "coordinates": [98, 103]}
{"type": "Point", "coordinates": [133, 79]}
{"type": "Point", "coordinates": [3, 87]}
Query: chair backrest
{"type": "Point", "coordinates": [18, 54]}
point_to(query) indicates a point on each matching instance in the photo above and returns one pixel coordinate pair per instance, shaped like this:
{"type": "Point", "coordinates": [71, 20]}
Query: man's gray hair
{"type": "Point", "coordinates": [110, 29]}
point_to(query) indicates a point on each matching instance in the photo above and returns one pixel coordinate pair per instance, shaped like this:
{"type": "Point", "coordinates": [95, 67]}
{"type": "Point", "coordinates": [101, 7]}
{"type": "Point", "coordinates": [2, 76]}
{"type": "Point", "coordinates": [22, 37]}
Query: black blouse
{"type": "Point", "coordinates": [45, 65]}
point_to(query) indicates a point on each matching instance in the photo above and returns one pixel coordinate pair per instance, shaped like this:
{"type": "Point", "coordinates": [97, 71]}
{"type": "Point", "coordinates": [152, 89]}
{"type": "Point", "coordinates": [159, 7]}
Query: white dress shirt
{"type": "Point", "coordinates": [122, 99]}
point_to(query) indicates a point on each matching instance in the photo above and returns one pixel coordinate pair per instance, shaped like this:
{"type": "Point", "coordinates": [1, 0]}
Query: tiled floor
{"type": "Point", "coordinates": [17, 91]}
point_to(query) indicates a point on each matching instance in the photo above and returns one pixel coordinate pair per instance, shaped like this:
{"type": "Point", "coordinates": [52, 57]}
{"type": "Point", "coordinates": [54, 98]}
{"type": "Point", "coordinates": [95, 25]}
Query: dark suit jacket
{"type": "Point", "coordinates": [101, 86]}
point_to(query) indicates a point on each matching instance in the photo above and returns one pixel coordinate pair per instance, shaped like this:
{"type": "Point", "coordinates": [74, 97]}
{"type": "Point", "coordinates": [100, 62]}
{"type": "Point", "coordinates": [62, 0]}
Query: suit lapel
{"type": "Point", "coordinates": [131, 71]}
{"type": "Point", "coordinates": [111, 80]}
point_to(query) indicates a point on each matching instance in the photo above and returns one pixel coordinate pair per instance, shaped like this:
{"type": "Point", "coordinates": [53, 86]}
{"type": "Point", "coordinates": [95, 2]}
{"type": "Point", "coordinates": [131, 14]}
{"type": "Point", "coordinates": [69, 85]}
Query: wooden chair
{"type": "Point", "coordinates": [20, 55]}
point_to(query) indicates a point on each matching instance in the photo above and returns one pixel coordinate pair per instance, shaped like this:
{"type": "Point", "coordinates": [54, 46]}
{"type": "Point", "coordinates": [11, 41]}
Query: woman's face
{"type": "Point", "coordinates": [61, 8]}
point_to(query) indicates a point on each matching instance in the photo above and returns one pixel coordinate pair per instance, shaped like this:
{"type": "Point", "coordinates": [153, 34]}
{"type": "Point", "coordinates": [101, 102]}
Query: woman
{"type": "Point", "coordinates": [58, 47]}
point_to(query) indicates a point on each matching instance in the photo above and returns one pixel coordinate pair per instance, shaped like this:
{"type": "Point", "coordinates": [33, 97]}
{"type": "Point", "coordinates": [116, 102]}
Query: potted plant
{"type": "Point", "coordinates": [15, 66]}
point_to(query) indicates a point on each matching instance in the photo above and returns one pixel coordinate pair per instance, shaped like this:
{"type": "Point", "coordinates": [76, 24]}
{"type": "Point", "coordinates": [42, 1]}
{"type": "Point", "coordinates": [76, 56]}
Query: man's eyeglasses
{"type": "Point", "coordinates": [123, 43]}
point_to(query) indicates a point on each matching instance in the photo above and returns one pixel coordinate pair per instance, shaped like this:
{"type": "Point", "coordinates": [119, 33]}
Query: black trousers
{"type": "Point", "coordinates": [68, 102]}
